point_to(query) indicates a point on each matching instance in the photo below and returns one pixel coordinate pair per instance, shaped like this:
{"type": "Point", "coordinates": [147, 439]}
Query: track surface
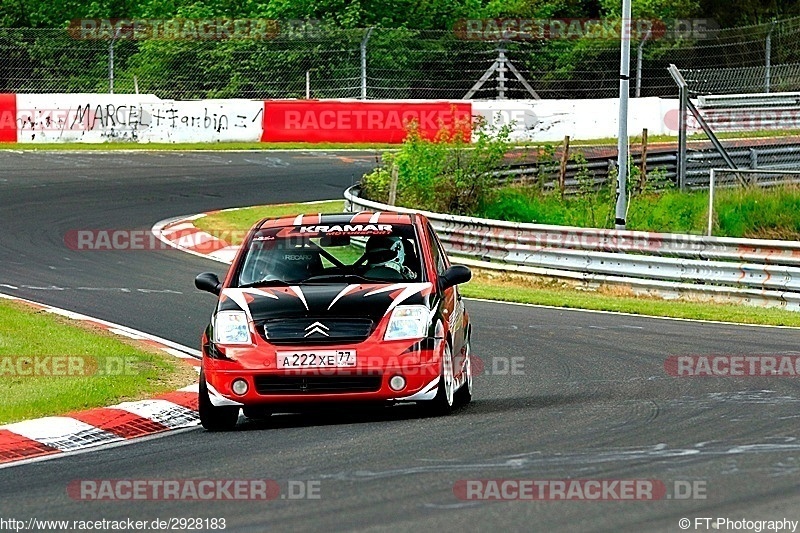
{"type": "Point", "coordinates": [591, 399]}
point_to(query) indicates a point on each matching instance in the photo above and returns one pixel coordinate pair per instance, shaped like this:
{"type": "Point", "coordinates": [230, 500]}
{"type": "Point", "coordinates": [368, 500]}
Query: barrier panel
{"type": "Point", "coordinates": [8, 118]}
{"type": "Point", "coordinates": [349, 121]}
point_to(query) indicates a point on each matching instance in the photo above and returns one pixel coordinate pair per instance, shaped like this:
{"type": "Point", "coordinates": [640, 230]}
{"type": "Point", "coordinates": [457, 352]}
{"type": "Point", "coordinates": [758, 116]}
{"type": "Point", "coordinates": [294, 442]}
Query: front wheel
{"type": "Point", "coordinates": [442, 403]}
{"type": "Point", "coordinates": [215, 418]}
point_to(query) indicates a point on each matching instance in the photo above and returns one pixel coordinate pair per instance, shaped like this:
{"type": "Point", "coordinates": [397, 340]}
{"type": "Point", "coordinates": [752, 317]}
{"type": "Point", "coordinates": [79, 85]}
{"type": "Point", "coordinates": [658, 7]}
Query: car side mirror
{"type": "Point", "coordinates": [454, 275]}
{"type": "Point", "coordinates": [209, 282]}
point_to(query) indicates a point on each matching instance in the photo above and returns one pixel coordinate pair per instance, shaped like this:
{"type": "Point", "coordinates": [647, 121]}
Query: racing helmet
{"type": "Point", "coordinates": [386, 251]}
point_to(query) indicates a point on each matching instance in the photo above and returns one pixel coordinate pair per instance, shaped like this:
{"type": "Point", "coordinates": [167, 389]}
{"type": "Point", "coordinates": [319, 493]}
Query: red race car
{"type": "Point", "coordinates": [346, 307]}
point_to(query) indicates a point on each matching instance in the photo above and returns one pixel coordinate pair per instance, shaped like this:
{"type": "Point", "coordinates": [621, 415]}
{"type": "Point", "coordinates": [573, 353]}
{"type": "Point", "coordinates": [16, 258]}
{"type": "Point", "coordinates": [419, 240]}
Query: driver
{"type": "Point", "coordinates": [384, 252]}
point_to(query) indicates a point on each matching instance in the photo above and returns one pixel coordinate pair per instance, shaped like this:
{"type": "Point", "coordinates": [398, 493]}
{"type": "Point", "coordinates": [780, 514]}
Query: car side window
{"type": "Point", "coordinates": [439, 259]}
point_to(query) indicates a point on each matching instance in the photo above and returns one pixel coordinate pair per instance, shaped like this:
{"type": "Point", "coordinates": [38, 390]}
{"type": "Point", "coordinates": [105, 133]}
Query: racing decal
{"type": "Point", "coordinates": [347, 290]}
{"type": "Point", "coordinates": [406, 291]}
{"type": "Point", "coordinates": [295, 289]}
{"type": "Point", "coordinates": [345, 229]}
{"type": "Point", "coordinates": [318, 300]}
{"type": "Point", "coordinates": [428, 392]}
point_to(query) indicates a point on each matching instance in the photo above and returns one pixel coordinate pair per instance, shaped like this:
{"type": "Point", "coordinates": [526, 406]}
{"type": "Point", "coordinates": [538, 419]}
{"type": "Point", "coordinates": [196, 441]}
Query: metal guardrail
{"type": "Point", "coordinates": [754, 270]}
{"type": "Point", "coordinates": [698, 165]}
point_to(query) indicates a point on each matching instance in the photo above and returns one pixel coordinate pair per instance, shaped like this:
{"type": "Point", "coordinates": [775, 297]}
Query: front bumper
{"type": "Point", "coordinates": [368, 381]}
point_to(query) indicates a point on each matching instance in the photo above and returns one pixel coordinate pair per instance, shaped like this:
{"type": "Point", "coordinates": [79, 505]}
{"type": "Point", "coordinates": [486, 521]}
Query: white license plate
{"type": "Point", "coordinates": [317, 359]}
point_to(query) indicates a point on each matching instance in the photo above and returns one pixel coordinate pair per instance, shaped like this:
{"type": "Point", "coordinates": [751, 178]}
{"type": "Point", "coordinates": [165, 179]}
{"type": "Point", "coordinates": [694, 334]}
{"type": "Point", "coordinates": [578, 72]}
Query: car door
{"type": "Point", "coordinates": [453, 306]}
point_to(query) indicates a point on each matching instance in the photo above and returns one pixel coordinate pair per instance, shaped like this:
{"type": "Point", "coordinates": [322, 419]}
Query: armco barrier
{"type": "Point", "coordinates": [360, 121]}
{"type": "Point", "coordinates": [763, 271]}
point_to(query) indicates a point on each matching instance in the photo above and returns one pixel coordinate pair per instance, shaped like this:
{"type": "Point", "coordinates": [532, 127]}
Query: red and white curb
{"type": "Point", "coordinates": [53, 435]}
{"type": "Point", "coordinates": [182, 234]}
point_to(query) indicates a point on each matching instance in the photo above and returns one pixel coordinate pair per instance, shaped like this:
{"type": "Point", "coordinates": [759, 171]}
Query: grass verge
{"type": "Point", "coordinates": [536, 290]}
{"type": "Point", "coordinates": [610, 141]}
{"type": "Point", "coordinates": [113, 370]}
{"type": "Point", "coordinates": [222, 146]}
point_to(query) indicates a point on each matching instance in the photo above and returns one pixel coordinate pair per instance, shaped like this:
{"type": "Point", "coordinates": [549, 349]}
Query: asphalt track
{"type": "Point", "coordinates": [589, 398]}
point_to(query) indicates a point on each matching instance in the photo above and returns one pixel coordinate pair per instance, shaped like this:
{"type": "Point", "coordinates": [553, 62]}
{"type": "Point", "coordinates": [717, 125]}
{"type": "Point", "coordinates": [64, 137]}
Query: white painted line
{"type": "Point", "coordinates": [62, 433]}
{"type": "Point", "coordinates": [124, 333]}
{"type": "Point", "coordinates": [69, 314]}
{"type": "Point", "coordinates": [178, 353]}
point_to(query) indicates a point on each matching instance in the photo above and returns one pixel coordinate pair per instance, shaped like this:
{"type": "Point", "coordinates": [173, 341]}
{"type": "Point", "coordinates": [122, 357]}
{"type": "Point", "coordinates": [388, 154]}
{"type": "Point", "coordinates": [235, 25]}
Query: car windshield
{"type": "Point", "coordinates": [329, 254]}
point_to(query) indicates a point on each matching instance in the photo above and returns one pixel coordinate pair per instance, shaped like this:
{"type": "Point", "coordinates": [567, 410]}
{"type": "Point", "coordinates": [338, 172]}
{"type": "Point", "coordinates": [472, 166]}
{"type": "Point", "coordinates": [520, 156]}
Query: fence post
{"type": "Point", "coordinates": [111, 61]}
{"type": "Point", "coordinates": [364, 64]}
{"type": "Point", "coordinates": [562, 175]}
{"type": "Point", "coordinates": [643, 173]}
{"type": "Point", "coordinates": [768, 59]}
{"type": "Point", "coordinates": [393, 185]}
{"type": "Point", "coordinates": [639, 54]}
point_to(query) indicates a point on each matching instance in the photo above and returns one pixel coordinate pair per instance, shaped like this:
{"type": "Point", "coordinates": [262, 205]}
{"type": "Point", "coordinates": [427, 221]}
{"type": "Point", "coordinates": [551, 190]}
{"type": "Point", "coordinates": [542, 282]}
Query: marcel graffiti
{"type": "Point", "coordinates": [91, 117]}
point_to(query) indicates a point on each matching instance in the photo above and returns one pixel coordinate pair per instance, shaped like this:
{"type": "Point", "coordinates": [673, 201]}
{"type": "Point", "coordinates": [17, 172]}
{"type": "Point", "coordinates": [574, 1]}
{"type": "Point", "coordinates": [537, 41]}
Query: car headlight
{"type": "Point", "coordinates": [230, 327]}
{"type": "Point", "coordinates": [407, 322]}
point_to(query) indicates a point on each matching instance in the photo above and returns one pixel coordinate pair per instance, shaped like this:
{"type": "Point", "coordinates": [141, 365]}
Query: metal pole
{"type": "Point", "coordinates": [711, 200]}
{"type": "Point", "coordinates": [111, 61]}
{"type": "Point", "coordinates": [768, 59]}
{"type": "Point", "coordinates": [364, 64]}
{"type": "Point", "coordinates": [111, 67]}
{"type": "Point", "coordinates": [639, 64]}
{"type": "Point", "coordinates": [501, 74]}
{"type": "Point", "coordinates": [683, 106]}
{"type": "Point", "coordinates": [622, 141]}
{"type": "Point", "coordinates": [308, 85]}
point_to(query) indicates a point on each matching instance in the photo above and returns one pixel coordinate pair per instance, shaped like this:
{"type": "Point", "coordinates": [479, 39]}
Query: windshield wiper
{"type": "Point", "coordinates": [267, 283]}
{"type": "Point", "coordinates": [344, 277]}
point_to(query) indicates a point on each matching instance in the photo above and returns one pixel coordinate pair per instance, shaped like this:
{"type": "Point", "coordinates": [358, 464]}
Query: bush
{"type": "Point", "coordinates": [448, 174]}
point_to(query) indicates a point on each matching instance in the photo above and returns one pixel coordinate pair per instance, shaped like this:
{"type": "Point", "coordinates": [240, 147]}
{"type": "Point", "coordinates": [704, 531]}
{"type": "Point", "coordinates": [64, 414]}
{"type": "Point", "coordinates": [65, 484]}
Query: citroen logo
{"type": "Point", "coordinates": [317, 327]}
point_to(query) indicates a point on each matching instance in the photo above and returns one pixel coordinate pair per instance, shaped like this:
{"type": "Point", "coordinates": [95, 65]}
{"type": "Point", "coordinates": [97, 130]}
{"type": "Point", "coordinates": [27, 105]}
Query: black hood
{"type": "Point", "coordinates": [366, 300]}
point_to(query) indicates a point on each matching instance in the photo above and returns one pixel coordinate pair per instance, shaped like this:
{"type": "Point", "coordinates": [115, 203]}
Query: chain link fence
{"type": "Point", "coordinates": [397, 63]}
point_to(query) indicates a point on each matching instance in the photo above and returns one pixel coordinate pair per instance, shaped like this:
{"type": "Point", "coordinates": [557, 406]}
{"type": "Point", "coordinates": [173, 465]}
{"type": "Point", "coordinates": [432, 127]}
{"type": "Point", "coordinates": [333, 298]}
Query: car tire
{"type": "Point", "coordinates": [215, 418]}
{"type": "Point", "coordinates": [442, 403]}
{"type": "Point", "coordinates": [464, 395]}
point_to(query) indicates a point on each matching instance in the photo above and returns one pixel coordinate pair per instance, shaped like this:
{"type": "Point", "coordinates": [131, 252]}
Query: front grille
{"type": "Point", "coordinates": [316, 384]}
{"type": "Point", "coordinates": [316, 331]}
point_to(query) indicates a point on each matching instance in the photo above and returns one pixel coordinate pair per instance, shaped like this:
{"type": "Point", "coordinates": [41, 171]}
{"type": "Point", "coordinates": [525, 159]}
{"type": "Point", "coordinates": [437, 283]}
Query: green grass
{"type": "Point", "coordinates": [71, 147]}
{"type": "Point", "coordinates": [25, 332]}
{"type": "Point", "coordinates": [751, 212]}
{"type": "Point", "coordinates": [533, 290]}
{"type": "Point", "coordinates": [233, 225]}
{"type": "Point", "coordinates": [540, 291]}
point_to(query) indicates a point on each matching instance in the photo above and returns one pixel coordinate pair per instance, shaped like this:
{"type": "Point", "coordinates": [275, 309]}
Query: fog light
{"type": "Point", "coordinates": [239, 386]}
{"type": "Point", "coordinates": [397, 383]}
